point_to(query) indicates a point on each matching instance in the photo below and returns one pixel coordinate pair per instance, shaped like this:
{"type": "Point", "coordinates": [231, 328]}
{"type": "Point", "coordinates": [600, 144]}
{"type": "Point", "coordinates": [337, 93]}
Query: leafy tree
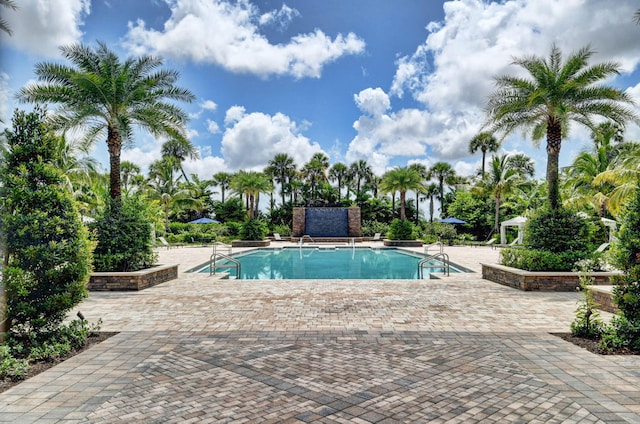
{"type": "Point", "coordinates": [231, 210]}
{"type": "Point", "coordinates": [251, 184]}
{"type": "Point", "coordinates": [475, 210]}
{"type": "Point", "coordinates": [128, 171]}
{"type": "Point", "coordinates": [402, 180]}
{"type": "Point", "coordinates": [485, 142]}
{"type": "Point", "coordinates": [180, 149]}
{"type": "Point", "coordinates": [110, 97]}
{"type": "Point", "coordinates": [441, 171]}
{"type": "Point", "coordinates": [282, 167]}
{"type": "Point", "coordinates": [222, 180]}
{"type": "Point", "coordinates": [556, 94]}
{"type": "Point", "coordinates": [48, 252]}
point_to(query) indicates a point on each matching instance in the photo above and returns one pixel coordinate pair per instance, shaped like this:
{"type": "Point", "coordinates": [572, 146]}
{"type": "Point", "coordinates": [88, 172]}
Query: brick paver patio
{"type": "Point", "coordinates": [458, 350]}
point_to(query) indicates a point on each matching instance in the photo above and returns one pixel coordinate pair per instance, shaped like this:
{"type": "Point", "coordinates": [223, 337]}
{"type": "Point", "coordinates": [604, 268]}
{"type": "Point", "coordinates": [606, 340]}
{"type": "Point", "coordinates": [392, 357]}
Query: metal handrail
{"type": "Point", "coordinates": [444, 266]}
{"type": "Point", "coordinates": [301, 241]}
{"type": "Point", "coordinates": [221, 245]}
{"type": "Point", "coordinates": [438, 243]}
{"type": "Point", "coordinates": [213, 266]}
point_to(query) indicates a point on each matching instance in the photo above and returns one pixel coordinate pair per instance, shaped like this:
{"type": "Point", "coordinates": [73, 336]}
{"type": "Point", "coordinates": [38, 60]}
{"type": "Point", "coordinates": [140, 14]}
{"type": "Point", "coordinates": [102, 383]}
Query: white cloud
{"type": "Point", "coordinates": [228, 35]}
{"type": "Point", "coordinates": [213, 127]}
{"type": "Point", "coordinates": [256, 138]}
{"type": "Point", "coordinates": [234, 114]}
{"type": "Point", "coordinates": [41, 27]}
{"type": "Point", "coordinates": [279, 18]}
{"type": "Point", "coordinates": [206, 166]}
{"type": "Point", "coordinates": [373, 101]}
{"type": "Point", "coordinates": [209, 105]}
{"type": "Point", "coordinates": [5, 118]}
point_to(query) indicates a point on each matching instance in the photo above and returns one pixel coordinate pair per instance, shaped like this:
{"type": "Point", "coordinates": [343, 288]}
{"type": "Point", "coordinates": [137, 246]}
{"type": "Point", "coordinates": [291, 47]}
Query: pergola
{"type": "Point", "coordinates": [519, 222]}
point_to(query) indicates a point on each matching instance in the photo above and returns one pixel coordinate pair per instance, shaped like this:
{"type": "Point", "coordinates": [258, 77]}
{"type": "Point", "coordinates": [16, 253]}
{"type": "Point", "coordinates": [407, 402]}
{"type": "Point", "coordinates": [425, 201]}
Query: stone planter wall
{"type": "Point", "coordinates": [250, 243]}
{"type": "Point", "coordinates": [403, 243]}
{"type": "Point", "coordinates": [137, 280]}
{"type": "Point", "coordinates": [539, 281]}
{"type": "Point", "coordinates": [603, 296]}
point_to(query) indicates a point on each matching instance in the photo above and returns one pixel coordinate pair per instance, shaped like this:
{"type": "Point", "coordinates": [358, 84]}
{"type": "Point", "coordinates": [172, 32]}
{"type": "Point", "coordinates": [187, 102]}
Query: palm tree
{"type": "Point", "coordinates": [623, 174]}
{"type": "Point", "coordinates": [110, 97]}
{"type": "Point", "coordinates": [128, 170]}
{"type": "Point", "coordinates": [431, 190]}
{"type": "Point", "coordinates": [485, 142]}
{"type": "Point", "coordinates": [3, 24]}
{"type": "Point", "coordinates": [163, 186]}
{"type": "Point", "coordinates": [360, 173]}
{"type": "Point", "coordinates": [402, 180]}
{"type": "Point", "coordinates": [282, 167]}
{"type": "Point", "coordinates": [315, 172]}
{"type": "Point", "coordinates": [423, 172]}
{"type": "Point", "coordinates": [251, 184]}
{"type": "Point", "coordinates": [556, 94]}
{"type": "Point", "coordinates": [222, 180]}
{"type": "Point", "coordinates": [505, 174]}
{"type": "Point", "coordinates": [180, 148]}
{"type": "Point", "coordinates": [441, 171]}
{"type": "Point", "coordinates": [339, 172]}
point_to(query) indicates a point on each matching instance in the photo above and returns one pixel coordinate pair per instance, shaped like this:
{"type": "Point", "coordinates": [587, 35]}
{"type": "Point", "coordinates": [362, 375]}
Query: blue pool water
{"type": "Point", "coordinates": [328, 263]}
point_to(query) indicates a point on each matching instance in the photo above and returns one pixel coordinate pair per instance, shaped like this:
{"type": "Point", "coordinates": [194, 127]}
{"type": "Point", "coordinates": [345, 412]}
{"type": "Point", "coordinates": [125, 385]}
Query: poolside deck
{"type": "Point", "coordinates": [458, 349]}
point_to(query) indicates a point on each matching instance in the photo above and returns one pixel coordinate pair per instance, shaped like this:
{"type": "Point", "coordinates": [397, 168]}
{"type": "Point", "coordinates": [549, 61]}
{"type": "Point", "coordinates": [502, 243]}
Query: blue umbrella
{"type": "Point", "coordinates": [204, 221]}
{"type": "Point", "coordinates": [452, 220]}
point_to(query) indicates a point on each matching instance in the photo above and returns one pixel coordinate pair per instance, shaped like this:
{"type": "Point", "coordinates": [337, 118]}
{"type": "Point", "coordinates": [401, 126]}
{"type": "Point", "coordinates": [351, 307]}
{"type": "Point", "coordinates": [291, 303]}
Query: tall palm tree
{"type": "Point", "coordinates": [315, 171]}
{"type": "Point", "coordinates": [128, 171]}
{"type": "Point", "coordinates": [163, 186]}
{"type": "Point", "coordinates": [423, 172]}
{"type": "Point", "coordinates": [181, 149]}
{"type": "Point", "coordinates": [430, 191]}
{"type": "Point", "coordinates": [504, 175]}
{"type": "Point", "coordinates": [624, 174]}
{"type": "Point", "coordinates": [361, 173]}
{"type": "Point", "coordinates": [402, 180]}
{"type": "Point", "coordinates": [222, 180]}
{"type": "Point", "coordinates": [251, 184]}
{"type": "Point", "coordinates": [282, 167]}
{"type": "Point", "coordinates": [555, 94]}
{"type": "Point", "coordinates": [109, 97]}
{"type": "Point", "coordinates": [441, 171]}
{"type": "Point", "coordinates": [485, 142]}
{"type": "Point", "coordinates": [339, 172]}
{"type": "Point", "coordinates": [4, 26]}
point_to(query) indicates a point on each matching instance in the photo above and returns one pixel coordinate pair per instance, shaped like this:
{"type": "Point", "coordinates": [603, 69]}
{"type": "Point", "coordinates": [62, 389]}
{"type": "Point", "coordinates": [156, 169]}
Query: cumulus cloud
{"type": "Point", "coordinates": [279, 18]}
{"type": "Point", "coordinates": [4, 100]}
{"type": "Point", "coordinates": [451, 74]}
{"type": "Point", "coordinates": [40, 27]}
{"type": "Point", "coordinates": [209, 105]}
{"type": "Point", "coordinates": [253, 139]}
{"type": "Point", "coordinates": [213, 127]}
{"type": "Point", "coordinates": [373, 101]}
{"type": "Point", "coordinates": [228, 35]}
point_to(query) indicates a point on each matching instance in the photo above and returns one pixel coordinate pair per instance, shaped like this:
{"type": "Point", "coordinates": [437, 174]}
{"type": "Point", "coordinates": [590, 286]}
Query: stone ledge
{"type": "Point", "coordinates": [250, 243]}
{"type": "Point", "coordinates": [403, 243]}
{"type": "Point", "coordinates": [539, 281]}
{"type": "Point", "coordinates": [136, 280]}
{"type": "Point", "coordinates": [603, 296]}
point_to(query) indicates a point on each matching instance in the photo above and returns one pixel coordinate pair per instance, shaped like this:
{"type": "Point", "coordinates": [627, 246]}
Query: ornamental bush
{"type": "Point", "coordinates": [401, 230]}
{"type": "Point", "coordinates": [48, 248]}
{"type": "Point", "coordinates": [253, 229]}
{"type": "Point", "coordinates": [123, 233]}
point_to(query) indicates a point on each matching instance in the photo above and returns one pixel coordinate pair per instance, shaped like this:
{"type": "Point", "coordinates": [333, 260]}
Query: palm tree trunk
{"type": "Point", "coordinates": [114, 145]}
{"type": "Point", "coordinates": [402, 202]}
{"type": "Point", "coordinates": [496, 225]}
{"type": "Point", "coordinates": [483, 158]}
{"type": "Point", "coordinates": [554, 140]}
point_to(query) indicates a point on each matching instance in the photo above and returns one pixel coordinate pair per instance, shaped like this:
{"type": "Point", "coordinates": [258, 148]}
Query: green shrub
{"type": "Point", "coordinates": [401, 230]}
{"type": "Point", "coordinates": [253, 229]}
{"type": "Point", "coordinates": [621, 333]}
{"type": "Point", "coordinates": [557, 231]}
{"type": "Point", "coordinates": [540, 260]}
{"type": "Point", "coordinates": [11, 367]}
{"type": "Point", "coordinates": [283, 230]}
{"type": "Point", "coordinates": [370, 228]}
{"type": "Point", "coordinates": [49, 251]}
{"type": "Point", "coordinates": [124, 237]}
{"type": "Point", "coordinates": [587, 322]}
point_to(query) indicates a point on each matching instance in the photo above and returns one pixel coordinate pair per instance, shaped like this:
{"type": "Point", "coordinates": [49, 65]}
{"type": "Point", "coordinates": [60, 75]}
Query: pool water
{"type": "Point", "coordinates": [328, 263]}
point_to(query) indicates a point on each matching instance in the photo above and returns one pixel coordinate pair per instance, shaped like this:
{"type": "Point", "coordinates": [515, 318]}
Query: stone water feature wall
{"type": "Point", "coordinates": [327, 222]}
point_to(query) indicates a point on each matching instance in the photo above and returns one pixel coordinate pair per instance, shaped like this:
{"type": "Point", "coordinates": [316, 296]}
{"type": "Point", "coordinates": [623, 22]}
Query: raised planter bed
{"type": "Point", "coordinates": [603, 296]}
{"type": "Point", "coordinates": [250, 243]}
{"type": "Point", "coordinates": [136, 280]}
{"type": "Point", "coordinates": [403, 243]}
{"type": "Point", "coordinates": [539, 281]}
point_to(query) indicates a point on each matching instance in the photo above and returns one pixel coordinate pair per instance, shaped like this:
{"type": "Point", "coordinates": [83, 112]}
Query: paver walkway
{"type": "Point", "coordinates": [458, 349]}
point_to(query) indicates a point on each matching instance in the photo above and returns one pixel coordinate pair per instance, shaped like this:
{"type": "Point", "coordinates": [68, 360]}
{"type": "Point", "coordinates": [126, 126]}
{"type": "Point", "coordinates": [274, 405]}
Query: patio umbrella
{"type": "Point", "coordinates": [204, 220]}
{"type": "Point", "coordinates": [452, 220]}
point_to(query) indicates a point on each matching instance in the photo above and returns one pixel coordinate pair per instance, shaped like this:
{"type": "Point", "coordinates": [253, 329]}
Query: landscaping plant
{"type": "Point", "coordinates": [587, 323]}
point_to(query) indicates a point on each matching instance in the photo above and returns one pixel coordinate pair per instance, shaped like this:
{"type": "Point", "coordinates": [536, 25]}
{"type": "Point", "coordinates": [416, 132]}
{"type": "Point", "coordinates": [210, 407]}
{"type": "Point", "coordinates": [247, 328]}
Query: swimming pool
{"type": "Point", "coordinates": [328, 263]}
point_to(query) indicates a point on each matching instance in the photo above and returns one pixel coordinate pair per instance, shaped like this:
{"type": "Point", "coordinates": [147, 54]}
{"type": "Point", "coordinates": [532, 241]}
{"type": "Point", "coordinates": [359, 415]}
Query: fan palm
{"type": "Point", "coordinates": [441, 171]}
{"type": "Point", "coordinates": [109, 97]}
{"type": "Point", "coordinates": [251, 184]}
{"type": "Point", "coordinates": [222, 180]}
{"type": "Point", "coordinates": [361, 173]}
{"type": "Point", "coordinates": [556, 94]}
{"type": "Point", "coordinates": [282, 167]}
{"type": "Point", "coordinates": [402, 180]}
{"type": "Point", "coordinates": [339, 172]}
{"type": "Point", "coordinates": [485, 142]}
{"type": "Point", "coordinates": [180, 148]}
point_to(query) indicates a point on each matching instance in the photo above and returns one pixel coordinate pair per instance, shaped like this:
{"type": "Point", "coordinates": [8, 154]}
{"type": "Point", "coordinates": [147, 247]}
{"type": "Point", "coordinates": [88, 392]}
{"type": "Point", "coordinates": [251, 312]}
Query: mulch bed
{"type": "Point", "coordinates": [592, 345]}
{"type": "Point", "coordinates": [38, 367]}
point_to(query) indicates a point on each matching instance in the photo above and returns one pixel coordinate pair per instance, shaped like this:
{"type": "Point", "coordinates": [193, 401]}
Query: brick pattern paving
{"type": "Point", "coordinates": [454, 350]}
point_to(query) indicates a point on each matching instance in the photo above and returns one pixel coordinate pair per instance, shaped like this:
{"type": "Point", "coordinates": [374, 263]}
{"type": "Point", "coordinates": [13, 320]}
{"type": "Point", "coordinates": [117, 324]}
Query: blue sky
{"type": "Point", "coordinates": [389, 81]}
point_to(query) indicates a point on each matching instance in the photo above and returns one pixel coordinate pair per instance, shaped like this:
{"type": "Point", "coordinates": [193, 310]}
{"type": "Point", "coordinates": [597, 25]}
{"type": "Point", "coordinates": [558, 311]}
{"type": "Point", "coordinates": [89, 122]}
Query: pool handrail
{"type": "Point", "coordinates": [445, 264]}
{"type": "Point", "coordinates": [234, 261]}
